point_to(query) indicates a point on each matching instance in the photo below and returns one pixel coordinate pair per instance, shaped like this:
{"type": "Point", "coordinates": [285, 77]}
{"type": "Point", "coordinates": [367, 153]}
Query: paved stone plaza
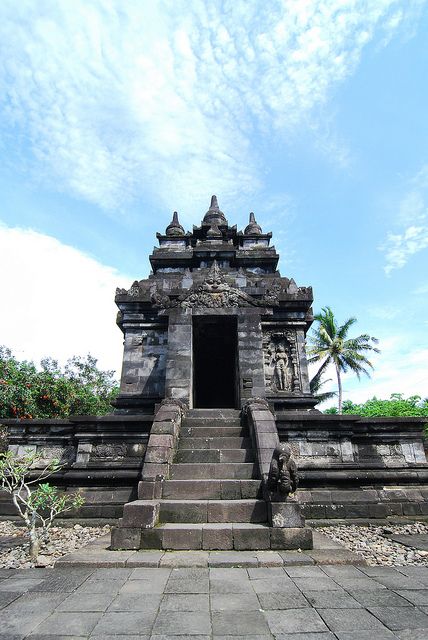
{"type": "Point", "coordinates": [341, 602]}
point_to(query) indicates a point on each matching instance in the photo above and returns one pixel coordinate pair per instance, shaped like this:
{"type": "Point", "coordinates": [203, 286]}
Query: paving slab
{"type": "Point", "coordinates": [350, 620]}
{"type": "Point", "coordinates": [178, 623]}
{"type": "Point", "coordinates": [294, 558]}
{"type": "Point", "coordinates": [416, 541]}
{"type": "Point", "coordinates": [411, 634]}
{"type": "Point", "coordinates": [76, 625]}
{"type": "Point", "coordinates": [316, 584]}
{"type": "Point", "coordinates": [265, 572]}
{"type": "Point", "coordinates": [270, 601]}
{"type": "Point", "coordinates": [294, 621]}
{"type": "Point", "coordinates": [63, 580]}
{"type": "Point", "coordinates": [125, 623]}
{"type": "Point", "coordinates": [239, 623]}
{"type": "Point", "coordinates": [184, 559]}
{"type": "Point", "coordinates": [232, 559]}
{"type": "Point", "coordinates": [147, 603]}
{"type": "Point", "coordinates": [299, 602]}
{"type": "Point", "coordinates": [380, 598]}
{"type": "Point", "coordinates": [145, 559]}
{"type": "Point", "coordinates": [234, 601]}
{"type": "Point", "coordinates": [414, 596]}
{"type": "Point", "coordinates": [381, 634]}
{"type": "Point", "coordinates": [6, 597]}
{"type": "Point", "coordinates": [182, 602]}
{"type": "Point", "coordinates": [401, 617]}
{"type": "Point", "coordinates": [327, 635]}
{"type": "Point", "coordinates": [267, 585]}
{"type": "Point", "coordinates": [79, 601]}
{"type": "Point", "coordinates": [305, 572]}
{"type": "Point", "coordinates": [332, 600]}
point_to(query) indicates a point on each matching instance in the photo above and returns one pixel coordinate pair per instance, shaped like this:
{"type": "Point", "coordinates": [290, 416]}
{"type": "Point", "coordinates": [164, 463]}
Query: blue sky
{"type": "Point", "coordinates": [311, 114]}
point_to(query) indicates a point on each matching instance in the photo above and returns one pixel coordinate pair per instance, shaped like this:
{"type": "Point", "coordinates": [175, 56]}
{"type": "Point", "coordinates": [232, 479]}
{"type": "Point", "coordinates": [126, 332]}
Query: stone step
{"type": "Point", "coordinates": [211, 423]}
{"type": "Point", "coordinates": [212, 536]}
{"type": "Point", "coordinates": [198, 431]}
{"type": "Point", "coordinates": [213, 470]}
{"type": "Point", "coordinates": [214, 413]}
{"type": "Point", "coordinates": [214, 455]}
{"type": "Point", "coordinates": [214, 442]}
{"type": "Point", "coordinates": [213, 511]}
{"type": "Point", "coordinates": [211, 489]}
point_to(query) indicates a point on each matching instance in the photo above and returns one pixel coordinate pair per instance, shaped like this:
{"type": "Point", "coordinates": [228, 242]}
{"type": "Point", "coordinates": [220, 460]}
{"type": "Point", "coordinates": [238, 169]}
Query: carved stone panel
{"type": "Point", "coordinates": [281, 362]}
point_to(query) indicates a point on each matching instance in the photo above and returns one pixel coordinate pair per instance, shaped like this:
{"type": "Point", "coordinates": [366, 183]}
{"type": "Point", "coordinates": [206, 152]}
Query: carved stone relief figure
{"type": "Point", "coordinates": [282, 367]}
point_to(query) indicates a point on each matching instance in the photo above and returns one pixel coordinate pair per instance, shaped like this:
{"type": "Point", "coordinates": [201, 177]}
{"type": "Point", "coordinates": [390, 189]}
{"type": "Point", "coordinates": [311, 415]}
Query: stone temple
{"type": "Point", "coordinates": [215, 412]}
{"type": "Point", "coordinates": [215, 323]}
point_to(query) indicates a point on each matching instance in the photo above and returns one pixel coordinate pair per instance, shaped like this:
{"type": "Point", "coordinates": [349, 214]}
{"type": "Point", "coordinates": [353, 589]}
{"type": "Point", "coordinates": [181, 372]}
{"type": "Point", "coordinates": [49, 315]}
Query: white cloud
{"type": "Point", "coordinates": [411, 233]}
{"type": "Point", "coordinates": [114, 98]}
{"type": "Point", "coordinates": [57, 301]}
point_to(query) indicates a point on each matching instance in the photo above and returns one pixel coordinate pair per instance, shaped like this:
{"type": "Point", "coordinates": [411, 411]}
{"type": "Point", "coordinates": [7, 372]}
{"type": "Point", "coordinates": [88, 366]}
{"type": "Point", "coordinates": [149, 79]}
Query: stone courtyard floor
{"type": "Point", "coordinates": [307, 602]}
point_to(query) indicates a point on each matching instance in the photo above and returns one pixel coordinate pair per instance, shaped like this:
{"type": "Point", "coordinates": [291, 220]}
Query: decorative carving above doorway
{"type": "Point", "coordinates": [215, 293]}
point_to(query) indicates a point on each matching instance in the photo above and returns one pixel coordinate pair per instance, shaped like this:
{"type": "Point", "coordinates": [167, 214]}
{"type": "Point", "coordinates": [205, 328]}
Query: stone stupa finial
{"type": "Point", "coordinates": [174, 228]}
{"type": "Point", "coordinates": [214, 216]}
{"type": "Point", "coordinates": [253, 228]}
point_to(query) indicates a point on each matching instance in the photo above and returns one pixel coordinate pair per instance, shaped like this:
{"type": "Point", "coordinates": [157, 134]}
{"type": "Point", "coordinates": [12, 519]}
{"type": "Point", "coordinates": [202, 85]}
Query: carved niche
{"type": "Point", "coordinates": [281, 362]}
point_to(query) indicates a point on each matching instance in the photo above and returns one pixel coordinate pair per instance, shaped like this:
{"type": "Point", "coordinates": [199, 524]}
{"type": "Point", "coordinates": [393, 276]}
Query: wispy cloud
{"type": "Point", "coordinates": [116, 98]}
{"type": "Point", "coordinates": [411, 234]}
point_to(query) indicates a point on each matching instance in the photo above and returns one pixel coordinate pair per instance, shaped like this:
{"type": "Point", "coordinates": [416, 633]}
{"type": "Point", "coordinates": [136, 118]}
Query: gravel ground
{"type": "Point", "coordinates": [63, 540]}
{"type": "Point", "coordinates": [372, 543]}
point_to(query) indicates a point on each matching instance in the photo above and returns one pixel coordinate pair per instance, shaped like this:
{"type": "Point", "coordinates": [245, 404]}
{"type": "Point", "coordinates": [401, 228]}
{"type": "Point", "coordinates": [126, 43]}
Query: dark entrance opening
{"type": "Point", "coordinates": [214, 362]}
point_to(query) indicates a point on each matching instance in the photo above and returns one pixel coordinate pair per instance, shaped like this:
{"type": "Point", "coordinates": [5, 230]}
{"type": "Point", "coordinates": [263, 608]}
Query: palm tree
{"type": "Point", "coordinates": [329, 344]}
{"type": "Point", "coordinates": [315, 385]}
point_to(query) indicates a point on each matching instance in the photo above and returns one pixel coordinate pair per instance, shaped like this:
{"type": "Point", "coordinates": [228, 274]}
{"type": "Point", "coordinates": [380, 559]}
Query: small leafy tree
{"type": "Point", "coordinates": [37, 503]}
{"type": "Point", "coordinates": [52, 392]}
{"type": "Point", "coordinates": [331, 345]}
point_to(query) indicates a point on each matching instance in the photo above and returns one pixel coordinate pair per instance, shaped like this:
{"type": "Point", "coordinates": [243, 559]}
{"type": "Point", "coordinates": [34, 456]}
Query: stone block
{"type": "Point", "coordinates": [377, 511]}
{"type": "Point", "coordinates": [231, 489]}
{"type": "Point", "coordinates": [159, 455]}
{"type": "Point", "coordinates": [246, 536]}
{"type": "Point", "coordinates": [183, 511]}
{"type": "Point", "coordinates": [149, 489]}
{"type": "Point", "coordinates": [217, 536]}
{"type": "Point", "coordinates": [161, 440]}
{"type": "Point", "coordinates": [251, 489]}
{"type": "Point", "coordinates": [357, 510]}
{"type": "Point", "coordinates": [125, 538]}
{"type": "Point", "coordinates": [237, 511]}
{"type": "Point", "coordinates": [182, 537]}
{"type": "Point", "coordinates": [317, 511]}
{"type": "Point", "coordinates": [151, 539]}
{"type": "Point", "coordinates": [411, 509]}
{"type": "Point", "coordinates": [141, 513]}
{"type": "Point", "coordinates": [152, 471]}
{"type": "Point", "coordinates": [285, 514]}
{"type": "Point", "coordinates": [167, 428]}
{"type": "Point", "coordinates": [335, 511]}
{"type": "Point", "coordinates": [289, 538]}
{"type": "Point", "coordinates": [266, 440]}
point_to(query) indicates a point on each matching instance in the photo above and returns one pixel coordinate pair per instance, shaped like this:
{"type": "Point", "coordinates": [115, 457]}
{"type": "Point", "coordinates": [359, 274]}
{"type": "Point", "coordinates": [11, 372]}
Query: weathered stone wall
{"type": "Point", "coordinates": [101, 457]}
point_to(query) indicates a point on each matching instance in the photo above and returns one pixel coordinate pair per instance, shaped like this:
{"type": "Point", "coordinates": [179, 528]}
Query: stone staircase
{"type": "Point", "coordinates": [212, 499]}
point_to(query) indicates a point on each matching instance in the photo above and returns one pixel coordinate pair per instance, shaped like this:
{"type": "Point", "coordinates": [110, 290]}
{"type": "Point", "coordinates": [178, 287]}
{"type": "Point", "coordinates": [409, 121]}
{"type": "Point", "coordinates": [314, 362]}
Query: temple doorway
{"type": "Point", "coordinates": [214, 362]}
